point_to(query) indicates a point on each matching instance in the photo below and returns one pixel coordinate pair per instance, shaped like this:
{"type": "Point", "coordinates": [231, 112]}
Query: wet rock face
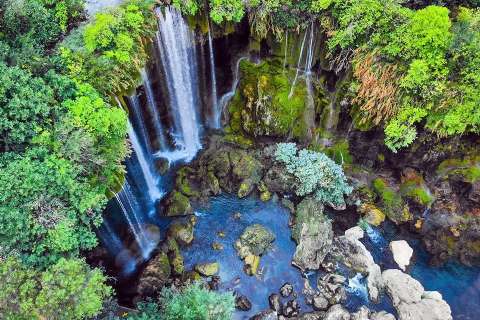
{"type": "Point", "coordinates": [263, 105]}
{"type": "Point", "coordinates": [355, 255]}
{"type": "Point", "coordinates": [313, 234]}
{"type": "Point", "coordinates": [411, 300]}
{"type": "Point", "coordinates": [154, 276]}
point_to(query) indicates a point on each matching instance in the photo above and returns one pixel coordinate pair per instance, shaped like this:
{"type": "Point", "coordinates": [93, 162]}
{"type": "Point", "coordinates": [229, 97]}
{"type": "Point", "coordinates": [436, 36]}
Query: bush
{"type": "Point", "coordinates": [195, 302]}
{"type": "Point", "coordinates": [316, 174]}
{"type": "Point", "coordinates": [68, 290]}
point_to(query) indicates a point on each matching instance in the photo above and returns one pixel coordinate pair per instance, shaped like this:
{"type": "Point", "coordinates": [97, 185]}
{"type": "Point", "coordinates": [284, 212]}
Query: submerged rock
{"type": "Point", "coordinates": [242, 303]}
{"type": "Point", "coordinates": [411, 300]}
{"type": "Point", "coordinates": [313, 234]}
{"type": "Point", "coordinates": [207, 269]}
{"type": "Point", "coordinates": [286, 290]}
{"type": "Point", "coordinates": [255, 240]}
{"type": "Point", "coordinates": [402, 253]}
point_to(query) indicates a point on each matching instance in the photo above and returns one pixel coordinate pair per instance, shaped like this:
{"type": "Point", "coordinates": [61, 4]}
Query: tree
{"type": "Point", "coordinates": [26, 105]}
{"type": "Point", "coordinates": [67, 290]}
{"type": "Point", "coordinates": [47, 210]}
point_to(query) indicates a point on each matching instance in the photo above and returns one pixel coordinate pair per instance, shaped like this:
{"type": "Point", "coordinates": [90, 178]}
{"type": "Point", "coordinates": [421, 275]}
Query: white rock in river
{"type": "Point", "coordinates": [402, 253]}
{"type": "Point", "coordinates": [355, 233]}
{"type": "Point", "coordinates": [411, 300]}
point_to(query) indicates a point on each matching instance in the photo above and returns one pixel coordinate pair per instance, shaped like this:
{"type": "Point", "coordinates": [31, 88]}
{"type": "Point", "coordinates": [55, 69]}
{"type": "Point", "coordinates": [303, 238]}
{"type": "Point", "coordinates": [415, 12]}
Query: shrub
{"type": "Point", "coordinates": [196, 302]}
{"type": "Point", "coordinates": [315, 173]}
{"type": "Point", "coordinates": [68, 290]}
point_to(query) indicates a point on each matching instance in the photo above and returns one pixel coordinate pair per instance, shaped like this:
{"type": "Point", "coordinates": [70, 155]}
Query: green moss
{"type": "Point", "coordinates": [263, 106]}
{"type": "Point", "coordinates": [182, 183]}
{"type": "Point", "coordinates": [417, 191]}
{"type": "Point", "coordinates": [391, 201]}
{"type": "Point", "coordinates": [468, 168]}
{"type": "Point", "coordinates": [178, 204]}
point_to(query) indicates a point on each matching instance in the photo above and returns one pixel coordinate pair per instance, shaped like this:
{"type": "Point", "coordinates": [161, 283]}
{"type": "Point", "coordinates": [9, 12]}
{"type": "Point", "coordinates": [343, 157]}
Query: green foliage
{"type": "Point", "coordinates": [401, 132]}
{"type": "Point", "coordinates": [94, 136]}
{"type": "Point", "coordinates": [226, 10]}
{"type": "Point", "coordinates": [355, 22]}
{"type": "Point", "coordinates": [315, 173]}
{"type": "Point", "coordinates": [196, 302]}
{"type": "Point", "coordinates": [110, 50]}
{"type": "Point", "coordinates": [189, 7]}
{"type": "Point", "coordinates": [26, 103]}
{"type": "Point", "coordinates": [66, 290]}
{"type": "Point", "coordinates": [47, 210]}
{"type": "Point", "coordinates": [31, 27]}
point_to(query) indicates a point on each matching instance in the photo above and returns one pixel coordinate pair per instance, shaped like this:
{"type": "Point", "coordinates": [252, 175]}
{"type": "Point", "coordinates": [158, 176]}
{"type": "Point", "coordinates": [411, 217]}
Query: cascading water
{"type": "Point", "coordinates": [177, 51]}
{"type": "Point", "coordinates": [153, 109]}
{"type": "Point", "coordinates": [136, 111]}
{"type": "Point", "coordinates": [216, 114]}
{"type": "Point", "coordinates": [225, 99]}
{"type": "Point", "coordinates": [298, 66]}
{"type": "Point", "coordinates": [151, 181]}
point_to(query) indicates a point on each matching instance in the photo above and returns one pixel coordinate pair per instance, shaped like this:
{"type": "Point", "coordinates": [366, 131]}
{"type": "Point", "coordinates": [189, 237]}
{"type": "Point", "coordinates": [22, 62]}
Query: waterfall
{"type": "Point", "coordinates": [110, 238]}
{"type": "Point", "coordinates": [216, 114]}
{"type": "Point", "coordinates": [225, 99]}
{"type": "Point", "coordinates": [137, 113]}
{"type": "Point", "coordinates": [148, 175]}
{"type": "Point", "coordinates": [177, 51]}
{"type": "Point", "coordinates": [153, 109]}
{"type": "Point", "coordinates": [298, 66]}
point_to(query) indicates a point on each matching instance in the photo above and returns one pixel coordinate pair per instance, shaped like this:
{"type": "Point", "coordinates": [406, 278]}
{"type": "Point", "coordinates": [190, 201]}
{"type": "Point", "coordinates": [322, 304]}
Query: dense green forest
{"type": "Point", "coordinates": [413, 66]}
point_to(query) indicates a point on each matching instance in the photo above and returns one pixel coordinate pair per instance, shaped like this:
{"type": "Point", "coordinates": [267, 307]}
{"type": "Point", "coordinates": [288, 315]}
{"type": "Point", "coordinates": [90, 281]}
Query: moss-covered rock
{"type": "Point", "coordinates": [372, 214]}
{"type": "Point", "coordinates": [207, 269]}
{"type": "Point", "coordinates": [391, 201]}
{"type": "Point", "coordinates": [255, 240]}
{"type": "Point", "coordinates": [182, 231]}
{"type": "Point", "coordinates": [154, 276]}
{"type": "Point", "coordinates": [263, 105]}
{"type": "Point", "coordinates": [414, 187]}
{"type": "Point", "coordinates": [467, 169]}
{"type": "Point", "coordinates": [177, 204]}
{"type": "Point", "coordinates": [313, 234]}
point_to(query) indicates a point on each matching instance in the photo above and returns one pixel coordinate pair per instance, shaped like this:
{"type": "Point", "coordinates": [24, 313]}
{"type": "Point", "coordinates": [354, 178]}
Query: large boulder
{"type": "Point", "coordinates": [313, 234]}
{"type": "Point", "coordinates": [177, 204]}
{"type": "Point", "coordinates": [207, 269]}
{"type": "Point", "coordinates": [182, 231]}
{"type": "Point", "coordinates": [253, 242]}
{"type": "Point", "coordinates": [402, 253]}
{"type": "Point", "coordinates": [154, 276]}
{"type": "Point", "coordinates": [337, 312]}
{"type": "Point", "coordinates": [354, 254]}
{"type": "Point", "coordinates": [411, 300]}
